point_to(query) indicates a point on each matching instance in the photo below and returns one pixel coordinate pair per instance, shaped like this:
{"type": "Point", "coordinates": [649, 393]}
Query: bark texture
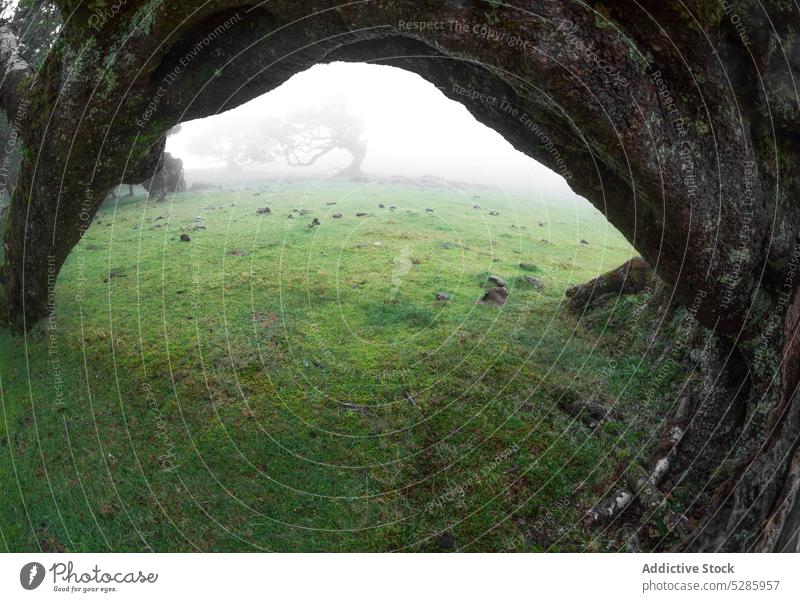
{"type": "Point", "coordinates": [678, 120]}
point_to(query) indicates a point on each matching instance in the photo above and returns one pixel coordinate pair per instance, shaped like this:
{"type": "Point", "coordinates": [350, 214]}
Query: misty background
{"type": "Point", "coordinates": [410, 128]}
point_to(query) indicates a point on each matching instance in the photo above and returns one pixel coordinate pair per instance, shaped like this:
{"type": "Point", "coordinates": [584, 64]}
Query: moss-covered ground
{"type": "Point", "coordinates": [271, 385]}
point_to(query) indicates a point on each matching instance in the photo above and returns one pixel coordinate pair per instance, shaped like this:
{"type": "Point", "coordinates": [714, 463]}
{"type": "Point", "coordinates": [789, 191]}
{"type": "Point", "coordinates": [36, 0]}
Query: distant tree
{"type": "Point", "coordinates": [168, 177]}
{"type": "Point", "coordinates": [300, 138]}
{"type": "Point", "coordinates": [163, 182]}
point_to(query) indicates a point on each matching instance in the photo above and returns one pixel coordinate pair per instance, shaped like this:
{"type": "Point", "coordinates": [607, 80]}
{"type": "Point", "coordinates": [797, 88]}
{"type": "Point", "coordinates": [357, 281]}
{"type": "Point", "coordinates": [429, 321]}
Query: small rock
{"type": "Point", "coordinates": [360, 214]}
{"type": "Point", "coordinates": [290, 216]}
{"type": "Point", "coordinates": [185, 238]}
{"type": "Point", "coordinates": [264, 210]}
{"type": "Point", "coordinates": [380, 206]}
{"type": "Point", "coordinates": [528, 266]}
{"type": "Point", "coordinates": [429, 211]}
{"type": "Point", "coordinates": [442, 297]}
{"type": "Point", "coordinates": [337, 216]}
{"type": "Point", "coordinates": [541, 224]}
{"type": "Point", "coordinates": [496, 280]}
{"type": "Point", "coordinates": [476, 206]}
{"type": "Point", "coordinates": [584, 242]}
{"type": "Point", "coordinates": [494, 296]}
{"type": "Point", "coordinates": [494, 213]}
{"type": "Point", "coordinates": [536, 283]}
{"type": "Point", "coordinates": [314, 222]}
{"type": "Point", "coordinates": [378, 244]}
{"type": "Point", "coordinates": [446, 541]}
{"type": "Point", "coordinates": [392, 207]}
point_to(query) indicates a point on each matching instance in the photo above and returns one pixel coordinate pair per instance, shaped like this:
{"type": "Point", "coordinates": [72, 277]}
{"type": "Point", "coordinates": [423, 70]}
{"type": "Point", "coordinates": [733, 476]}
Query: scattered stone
{"type": "Point", "coordinates": [115, 274]}
{"type": "Point", "coordinates": [380, 206]}
{"type": "Point", "coordinates": [314, 222]}
{"type": "Point", "coordinates": [584, 242]}
{"type": "Point", "coordinates": [304, 212]}
{"type": "Point", "coordinates": [392, 207]}
{"type": "Point", "coordinates": [378, 244]}
{"type": "Point", "coordinates": [236, 253]}
{"type": "Point", "coordinates": [496, 280]}
{"type": "Point", "coordinates": [476, 206]}
{"type": "Point", "coordinates": [416, 260]}
{"type": "Point", "coordinates": [429, 210]}
{"type": "Point", "coordinates": [442, 297]}
{"type": "Point", "coordinates": [494, 213]}
{"type": "Point", "coordinates": [528, 266]}
{"type": "Point", "coordinates": [446, 541]}
{"type": "Point", "coordinates": [337, 216]}
{"type": "Point", "coordinates": [541, 224]}
{"type": "Point", "coordinates": [533, 281]}
{"type": "Point", "coordinates": [331, 204]}
{"type": "Point", "coordinates": [185, 238]}
{"type": "Point", "coordinates": [290, 216]}
{"type": "Point", "coordinates": [361, 214]}
{"type": "Point", "coordinates": [264, 210]}
{"type": "Point", "coordinates": [494, 296]}
{"type": "Point", "coordinates": [589, 411]}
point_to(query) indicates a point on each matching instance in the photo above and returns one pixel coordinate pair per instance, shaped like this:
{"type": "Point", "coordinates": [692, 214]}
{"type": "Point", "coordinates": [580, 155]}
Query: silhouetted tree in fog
{"type": "Point", "coordinates": [300, 138]}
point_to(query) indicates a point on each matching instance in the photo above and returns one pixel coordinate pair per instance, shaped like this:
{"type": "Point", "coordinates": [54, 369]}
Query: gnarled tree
{"type": "Point", "coordinates": [299, 137]}
{"type": "Point", "coordinates": [679, 120]}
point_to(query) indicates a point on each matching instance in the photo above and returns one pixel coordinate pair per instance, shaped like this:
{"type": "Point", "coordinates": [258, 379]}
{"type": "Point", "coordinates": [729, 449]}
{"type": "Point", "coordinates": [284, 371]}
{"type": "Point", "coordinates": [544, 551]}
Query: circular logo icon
{"type": "Point", "coordinates": [31, 575]}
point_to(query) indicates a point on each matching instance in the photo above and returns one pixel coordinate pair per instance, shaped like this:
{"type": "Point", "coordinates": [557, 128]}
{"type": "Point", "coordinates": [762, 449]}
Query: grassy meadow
{"type": "Point", "coordinates": [276, 386]}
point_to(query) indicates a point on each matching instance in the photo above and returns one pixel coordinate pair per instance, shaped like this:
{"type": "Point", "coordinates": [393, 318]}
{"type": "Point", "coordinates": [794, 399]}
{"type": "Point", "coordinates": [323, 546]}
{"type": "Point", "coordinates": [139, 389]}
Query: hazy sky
{"type": "Point", "coordinates": [411, 127]}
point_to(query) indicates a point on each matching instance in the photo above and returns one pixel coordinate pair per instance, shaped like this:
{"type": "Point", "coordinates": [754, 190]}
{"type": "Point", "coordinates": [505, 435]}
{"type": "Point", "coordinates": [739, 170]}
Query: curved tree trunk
{"type": "Point", "coordinates": [359, 153]}
{"type": "Point", "coordinates": [678, 120]}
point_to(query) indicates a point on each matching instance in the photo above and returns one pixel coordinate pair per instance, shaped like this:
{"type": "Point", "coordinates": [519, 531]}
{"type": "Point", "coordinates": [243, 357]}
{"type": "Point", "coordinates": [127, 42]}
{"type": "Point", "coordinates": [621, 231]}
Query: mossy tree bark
{"type": "Point", "coordinates": [679, 120]}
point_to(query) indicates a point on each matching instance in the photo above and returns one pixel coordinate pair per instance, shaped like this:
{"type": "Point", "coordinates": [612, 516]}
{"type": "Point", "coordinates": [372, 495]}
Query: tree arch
{"type": "Point", "coordinates": [678, 120]}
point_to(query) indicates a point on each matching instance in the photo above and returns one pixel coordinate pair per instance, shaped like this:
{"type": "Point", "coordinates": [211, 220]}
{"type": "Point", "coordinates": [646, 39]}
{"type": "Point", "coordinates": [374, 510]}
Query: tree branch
{"type": "Point", "coordinates": [13, 70]}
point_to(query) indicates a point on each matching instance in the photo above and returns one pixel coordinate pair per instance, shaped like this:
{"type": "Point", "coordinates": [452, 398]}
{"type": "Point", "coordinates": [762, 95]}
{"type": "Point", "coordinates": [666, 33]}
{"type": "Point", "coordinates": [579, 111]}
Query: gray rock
{"type": "Point", "coordinates": [494, 296]}
{"type": "Point", "coordinates": [496, 280]}
{"type": "Point", "coordinates": [442, 297]}
{"type": "Point", "coordinates": [535, 282]}
{"type": "Point", "coordinates": [185, 238]}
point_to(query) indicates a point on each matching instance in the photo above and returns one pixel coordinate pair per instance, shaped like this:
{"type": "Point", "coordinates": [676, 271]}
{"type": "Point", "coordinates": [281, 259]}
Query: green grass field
{"type": "Point", "coordinates": [274, 386]}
